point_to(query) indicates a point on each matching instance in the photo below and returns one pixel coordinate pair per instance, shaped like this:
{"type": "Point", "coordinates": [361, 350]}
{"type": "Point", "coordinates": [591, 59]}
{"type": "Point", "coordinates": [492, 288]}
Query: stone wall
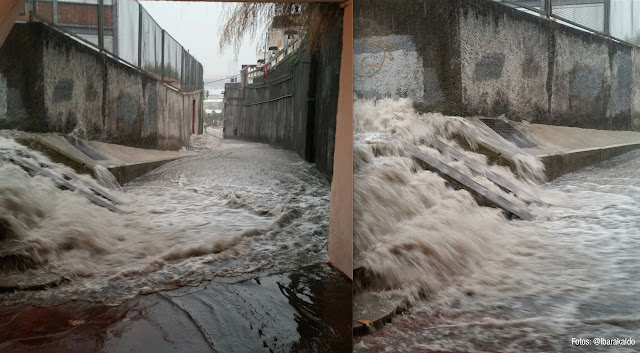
{"type": "Point", "coordinates": [493, 60]}
{"type": "Point", "coordinates": [54, 83]}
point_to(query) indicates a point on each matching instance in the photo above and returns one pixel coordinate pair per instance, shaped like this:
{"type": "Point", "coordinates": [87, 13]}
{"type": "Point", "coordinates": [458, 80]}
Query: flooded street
{"type": "Point", "coordinates": [492, 285]}
{"type": "Point", "coordinates": [241, 228]}
{"type": "Point", "coordinates": [293, 312]}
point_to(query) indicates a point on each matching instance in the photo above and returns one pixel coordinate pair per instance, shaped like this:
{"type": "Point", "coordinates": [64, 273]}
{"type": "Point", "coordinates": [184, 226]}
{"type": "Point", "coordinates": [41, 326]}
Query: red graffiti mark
{"type": "Point", "coordinates": [370, 67]}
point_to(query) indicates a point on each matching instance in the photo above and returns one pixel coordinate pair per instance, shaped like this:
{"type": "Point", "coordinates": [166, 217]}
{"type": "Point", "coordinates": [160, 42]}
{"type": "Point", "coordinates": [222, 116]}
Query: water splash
{"type": "Point", "coordinates": [412, 231]}
{"type": "Point", "coordinates": [186, 222]}
{"type": "Point", "coordinates": [105, 178]}
{"type": "Point", "coordinates": [488, 284]}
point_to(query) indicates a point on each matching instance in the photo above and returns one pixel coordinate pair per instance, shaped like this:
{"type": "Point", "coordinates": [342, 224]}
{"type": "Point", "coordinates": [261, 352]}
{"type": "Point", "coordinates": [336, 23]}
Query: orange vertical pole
{"type": "Point", "coordinates": [9, 11]}
{"type": "Point", "coordinates": [341, 204]}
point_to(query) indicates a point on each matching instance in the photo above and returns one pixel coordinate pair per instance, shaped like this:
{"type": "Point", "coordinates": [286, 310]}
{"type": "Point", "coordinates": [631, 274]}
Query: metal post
{"type": "Point", "coordinates": [548, 8]}
{"type": "Point", "coordinates": [32, 9]}
{"type": "Point", "coordinates": [633, 27]}
{"type": "Point", "coordinates": [162, 61]}
{"type": "Point", "coordinates": [114, 24]}
{"type": "Point", "coordinates": [182, 70]}
{"type": "Point", "coordinates": [139, 36]}
{"type": "Point", "coordinates": [54, 11]}
{"type": "Point", "coordinates": [607, 17]}
{"type": "Point", "coordinates": [101, 25]}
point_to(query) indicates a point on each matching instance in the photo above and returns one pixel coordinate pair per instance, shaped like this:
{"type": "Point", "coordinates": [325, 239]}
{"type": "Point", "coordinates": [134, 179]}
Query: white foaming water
{"type": "Point", "coordinates": [493, 284]}
{"type": "Point", "coordinates": [178, 227]}
{"type": "Point", "coordinates": [105, 178]}
{"type": "Point", "coordinates": [411, 230]}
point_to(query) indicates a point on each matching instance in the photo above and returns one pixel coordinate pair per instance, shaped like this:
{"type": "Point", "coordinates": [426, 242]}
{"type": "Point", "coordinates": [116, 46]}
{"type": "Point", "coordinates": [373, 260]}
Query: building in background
{"type": "Point", "coordinates": [281, 32]}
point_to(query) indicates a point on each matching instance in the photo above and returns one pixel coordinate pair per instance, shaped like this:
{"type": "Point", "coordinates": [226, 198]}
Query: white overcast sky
{"type": "Point", "coordinates": [196, 26]}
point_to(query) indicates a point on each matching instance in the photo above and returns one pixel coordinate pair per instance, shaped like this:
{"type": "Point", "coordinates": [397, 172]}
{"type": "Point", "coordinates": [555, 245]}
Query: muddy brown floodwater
{"type": "Point", "coordinates": [476, 281]}
{"type": "Point", "coordinates": [223, 251]}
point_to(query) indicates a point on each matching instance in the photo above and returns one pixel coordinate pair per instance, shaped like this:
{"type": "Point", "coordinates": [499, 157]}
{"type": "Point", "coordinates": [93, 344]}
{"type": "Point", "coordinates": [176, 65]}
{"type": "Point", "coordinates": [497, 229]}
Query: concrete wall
{"type": "Point", "coordinates": [494, 60]}
{"type": "Point", "coordinates": [55, 83]}
{"type": "Point", "coordinates": [327, 86]}
{"type": "Point", "coordinates": [504, 65]}
{"type": "Point", "coordinates": [273, 111]}
{"type": "Point", "coordinates": [404, 49]}
{"type": "Point", "coordinates": [295, 107]}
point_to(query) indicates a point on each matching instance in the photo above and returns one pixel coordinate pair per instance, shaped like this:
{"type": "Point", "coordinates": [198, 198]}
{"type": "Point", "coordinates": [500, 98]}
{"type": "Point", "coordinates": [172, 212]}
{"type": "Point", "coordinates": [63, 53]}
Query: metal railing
{"type": "Point", "coordinates": [126, 31]}
{"type": "Point", "coordinates": [616, 19]}
{"type": "Point", "coordinates": [273, 60]}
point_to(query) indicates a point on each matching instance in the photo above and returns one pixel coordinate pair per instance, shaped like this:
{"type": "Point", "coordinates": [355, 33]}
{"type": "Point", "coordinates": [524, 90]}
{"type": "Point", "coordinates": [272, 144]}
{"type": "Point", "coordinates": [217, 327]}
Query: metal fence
{"type": "Point", "coordinates": [618, 19]}
{"type": "Point", "coordinates": [271, 59]}
{"type": "Point", "coordinates": [126, 31]}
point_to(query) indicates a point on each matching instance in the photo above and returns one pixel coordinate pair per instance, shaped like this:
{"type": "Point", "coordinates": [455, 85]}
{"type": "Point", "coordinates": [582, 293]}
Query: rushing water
{"type": "Point", "coordinates": [481, 283]}
{"type": "Point", "coordinates": [234, 210]}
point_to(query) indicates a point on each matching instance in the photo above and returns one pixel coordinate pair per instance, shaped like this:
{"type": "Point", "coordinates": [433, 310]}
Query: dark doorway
{"type": "Point", "coordinates": [193, 120]}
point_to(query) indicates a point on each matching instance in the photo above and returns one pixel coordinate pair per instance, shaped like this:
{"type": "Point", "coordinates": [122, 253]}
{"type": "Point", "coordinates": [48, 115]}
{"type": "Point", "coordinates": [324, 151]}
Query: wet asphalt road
{"type": "Point", "coordinates": [303, 311]}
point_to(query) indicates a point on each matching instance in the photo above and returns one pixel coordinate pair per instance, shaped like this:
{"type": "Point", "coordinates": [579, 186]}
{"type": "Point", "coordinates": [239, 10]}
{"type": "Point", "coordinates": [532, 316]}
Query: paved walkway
{"type": "Point", "coordinates": [126, 163]}
{"type": "Point", "coordinates": [561, 139]}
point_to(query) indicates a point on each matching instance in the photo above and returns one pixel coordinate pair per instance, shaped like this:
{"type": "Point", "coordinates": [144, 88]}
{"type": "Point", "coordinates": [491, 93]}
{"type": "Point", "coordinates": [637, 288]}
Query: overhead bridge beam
{"type": "Point", "coordinates": [262, 1]}
{"type": "Point", "coordinates": [9, 11]}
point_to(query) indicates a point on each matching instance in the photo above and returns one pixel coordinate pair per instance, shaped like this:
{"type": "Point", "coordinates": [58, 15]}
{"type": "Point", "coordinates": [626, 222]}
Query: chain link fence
{"type": "Point", "coordinates": [618, 19]}
{"type": "Point", "coordinates": [126, 31]}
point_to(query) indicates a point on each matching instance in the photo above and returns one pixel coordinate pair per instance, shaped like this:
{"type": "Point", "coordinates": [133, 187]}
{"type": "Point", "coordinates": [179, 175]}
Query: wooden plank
{"type": "Point", "coordinates": [9, 12]}
{"type": "Point", "coordinates": [461, 181]}
{"type": "Point", "coordinates": [62, 184]}
{"type": "Point", "coordinates": [483, 170]}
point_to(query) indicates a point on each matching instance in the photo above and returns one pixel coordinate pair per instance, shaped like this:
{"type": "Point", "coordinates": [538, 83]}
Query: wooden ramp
{"type": "Point", "coordinates": [373, 309]}
{"type": "Point", "coordinates": [482, 170]}
{"type": "Point", "coordinates": [460, 181]}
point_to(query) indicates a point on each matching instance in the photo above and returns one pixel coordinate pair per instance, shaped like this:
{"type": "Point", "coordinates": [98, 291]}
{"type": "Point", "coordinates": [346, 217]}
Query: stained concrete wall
{"type": "Point", "coordinates": [295, 107]}
{"type": "Point", "coordinates": [273, 110]}
{"type": "Point", "coordinates": [403, 49]}
{"type": "Point", "coordinates": [55, 83]}
{"type": "Point", "coordinates": [494, 60]}
{"type": "Point", "coordinates": [504, 65]}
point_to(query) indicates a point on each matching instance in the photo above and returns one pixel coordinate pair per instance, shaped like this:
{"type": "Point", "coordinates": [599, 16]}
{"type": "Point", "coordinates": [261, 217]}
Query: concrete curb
{"type": "Point", "coordinates": [374, 309]}
{"type": "Point", "coordinates": [557, 165]}
{"type": "Point", "coordinates": [56, 147]}
{"type": "Point", "coordinates": [128, 172]}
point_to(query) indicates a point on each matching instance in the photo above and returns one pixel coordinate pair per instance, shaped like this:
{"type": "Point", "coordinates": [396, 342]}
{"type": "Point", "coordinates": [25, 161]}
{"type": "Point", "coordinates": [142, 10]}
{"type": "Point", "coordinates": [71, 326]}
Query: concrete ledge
{"type": "Point", "coordinates": [372, 310]}
{"type": "Point", "coordinates": [557, 165]}
{"type": "Point", "coordinates": [125, 163]}
{"type": "Point", "coordinates": [128, 172]}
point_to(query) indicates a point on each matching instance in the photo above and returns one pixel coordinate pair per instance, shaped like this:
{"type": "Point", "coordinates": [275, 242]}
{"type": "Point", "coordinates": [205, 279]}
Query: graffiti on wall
{"type": "Point", "coordinates": [372, 65]}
